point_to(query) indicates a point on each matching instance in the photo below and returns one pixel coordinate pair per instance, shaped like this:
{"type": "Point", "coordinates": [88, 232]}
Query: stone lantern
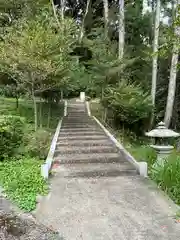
{"type": "Point", "coordinates": [162, 134]}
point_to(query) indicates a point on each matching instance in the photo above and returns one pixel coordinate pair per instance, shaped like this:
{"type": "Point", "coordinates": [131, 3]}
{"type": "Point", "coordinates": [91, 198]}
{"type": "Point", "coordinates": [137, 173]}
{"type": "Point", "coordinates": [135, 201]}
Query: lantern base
{"type": "Point", "coordinates": [162, 153]}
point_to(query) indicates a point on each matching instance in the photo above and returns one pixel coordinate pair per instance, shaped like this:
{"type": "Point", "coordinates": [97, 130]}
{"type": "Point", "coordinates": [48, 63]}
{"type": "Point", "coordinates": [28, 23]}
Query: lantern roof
{"type": "Point", "coordinates": [161, 131]}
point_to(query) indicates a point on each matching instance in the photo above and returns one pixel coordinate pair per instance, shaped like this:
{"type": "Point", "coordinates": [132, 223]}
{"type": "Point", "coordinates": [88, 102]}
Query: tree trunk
{"type": "Point", "coordinates": [106, 18]}
{"type": "Point", "coordinates": [155, 52]}
{"type": "Point", "coordinates": [40, 113]}
{"type": "Point", "coordinates": [35, 109]}
{"type": "Point", "coordinates": [49, 115]}
{"type": "Point", "coordinates": [173, 73]}
{"type": "Point", "coordinates": [62, 95]}
{"type": "Point", "coordinates": [17, 102]}
{"type": "Point", "coordinates": [55, 14]}
{"type": "Point", "coordinates": [105, 115]}
{"type": "Point", "coordinates": [62, 10]}
{"type": "Point", "coordinates": [121, 29]}
{"type": "Point", "coordinates": [83, 21]}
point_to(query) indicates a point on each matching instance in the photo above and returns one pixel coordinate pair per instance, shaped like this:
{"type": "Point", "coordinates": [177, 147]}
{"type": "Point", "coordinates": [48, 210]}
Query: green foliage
{"type": "Point", "coordinates": [143, 153]}
{"type": "Point", "coordinates": [168, 177]}
{"type": "Point", "coordinates": [36, 61]}
{"type": "Point", "coordinates": [20, 176]}
{"type": "Point", "coordinates": [128, 103]}
{"type": "Point", "coordinates": [11, 133]}
{"type": "Point", "coordinates": [37, 143]}
{"type": "Point", "coordinates": [22, 181]}
{"type": "Point", "coordinates": [25, 110]}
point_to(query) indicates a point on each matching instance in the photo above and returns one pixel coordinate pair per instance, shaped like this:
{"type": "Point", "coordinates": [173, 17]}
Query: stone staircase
{"type": "Point", "coordinates": [85, 150]}
{"type": "Point", "coordinates": [96, 194]}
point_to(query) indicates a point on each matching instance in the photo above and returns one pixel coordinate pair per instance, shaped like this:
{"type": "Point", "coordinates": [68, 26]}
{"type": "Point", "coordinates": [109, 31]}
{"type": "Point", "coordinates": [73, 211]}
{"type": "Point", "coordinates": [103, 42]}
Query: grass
{"type": "Point", "coordinates": [167, 177]}
{"type": "Point", "coordinates": [20, 176]}
{"type": "Point", "coordinates": [96, 109]}
{"type": "Point", "coordinates": [26, 110]}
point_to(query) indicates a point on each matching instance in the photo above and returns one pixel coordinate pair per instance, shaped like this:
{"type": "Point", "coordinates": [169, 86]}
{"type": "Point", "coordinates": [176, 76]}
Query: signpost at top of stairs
{"type": "Point", "coordinates": [82, 96]}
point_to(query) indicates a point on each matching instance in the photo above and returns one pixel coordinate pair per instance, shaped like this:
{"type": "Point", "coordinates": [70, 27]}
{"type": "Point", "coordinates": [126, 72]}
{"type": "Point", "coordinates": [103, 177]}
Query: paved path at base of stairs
{"type": "Point", "coordinates": [96, 194]}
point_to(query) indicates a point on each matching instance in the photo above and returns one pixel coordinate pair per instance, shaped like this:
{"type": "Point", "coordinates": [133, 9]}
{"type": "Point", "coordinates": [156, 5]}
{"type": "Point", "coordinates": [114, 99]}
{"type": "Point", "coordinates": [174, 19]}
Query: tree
{"type": "Point", "coordinates": [37, 54]}
{"type": "Point", "coordinates": [155, 51]}
{"type": "Point", "coordinates": [83, 21]}
{"type": "Point", "coordinates": [121, 29]}
{"type": "Point", "coordinates": [173, 70]}
{"type": "Point", "coordinates": [106, 17]}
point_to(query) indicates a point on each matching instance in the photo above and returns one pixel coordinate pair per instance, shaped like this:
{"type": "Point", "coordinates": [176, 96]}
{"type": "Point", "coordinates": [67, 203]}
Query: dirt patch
{"type": "Point", "coordinates": [15, 226]}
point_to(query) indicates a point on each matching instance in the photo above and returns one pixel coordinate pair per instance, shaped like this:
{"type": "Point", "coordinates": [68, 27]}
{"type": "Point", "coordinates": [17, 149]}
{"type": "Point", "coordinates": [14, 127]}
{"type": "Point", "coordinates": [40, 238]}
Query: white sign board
{"type": "Point", "coordinates": [82, 96]}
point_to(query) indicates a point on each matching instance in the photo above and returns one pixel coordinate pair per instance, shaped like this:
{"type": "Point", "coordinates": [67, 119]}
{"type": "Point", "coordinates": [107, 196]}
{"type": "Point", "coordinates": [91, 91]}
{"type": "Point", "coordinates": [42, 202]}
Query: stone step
{"type": "Point", "coordinates": [81, 129]}
{"type": "Point", "coordinates": [77, 124]}
{"type": "Point", "coordinates": [77, 113]}
{"type": "Point", "coordinates": [90, 133]}
{"type": "Point", "coordinates": [79, 119]}
{"type": "Point", "coordinates": [85, 142]}
{"type": "Point", "coordinates": [66, 127]}
{"type": "Point", "coordinates": [84, 149]}
{"type": "Point", "coordinates": [89, 158]}
{"type": "Point", "coordinates": [90, 137]}
{"type": "Point", "coordinates": [84, 115]}
{"type": "Point", "coordinates": [76, 110]}
{"type": "Point", "coordinates": [79, 116]}
{"type": "Point", "coordinates": [94, 170]}
{"type": "Point", "coordinates": [80, 125]}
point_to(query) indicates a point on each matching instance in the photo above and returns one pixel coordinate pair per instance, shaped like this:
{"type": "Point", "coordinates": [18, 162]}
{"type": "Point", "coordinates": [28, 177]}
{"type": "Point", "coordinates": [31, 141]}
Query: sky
{"type": "Point", "coordinates": [146, 8]}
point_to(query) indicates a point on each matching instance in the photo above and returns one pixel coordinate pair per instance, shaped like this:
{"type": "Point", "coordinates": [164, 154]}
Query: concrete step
{"type": "Point", "coordinates": [90, 133]}
{"type": "Point", "coordinates": [84, 149]}
{"type": "Point", "coordinates": [77, 109]}
{"type": "Point", "coordinates": [77, 138]}
{"type": "Point", "coordinates": [92, 170]}
{"type": "Point", "coordinates": [81, 129]}
{"type": "Point", "coordinates": [89, 158]}
{"type": "Point", "coordinates": [80, 119]}
{"type": "Point", "coordinates": [85, 142]}
{"type": "Point", "coordinates": [80, 124]}
{"type": "Point", "coordinates": [77, 125]}
{"type": "Point", "coordinates": [79, 116]}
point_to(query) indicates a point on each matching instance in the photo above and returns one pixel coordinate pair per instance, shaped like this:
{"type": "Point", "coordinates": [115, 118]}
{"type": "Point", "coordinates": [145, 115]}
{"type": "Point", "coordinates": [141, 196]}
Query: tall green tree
{"type": "Point", "coordinates": [174, 68]}
{"type": "Point", "coordinates": [37, 54]}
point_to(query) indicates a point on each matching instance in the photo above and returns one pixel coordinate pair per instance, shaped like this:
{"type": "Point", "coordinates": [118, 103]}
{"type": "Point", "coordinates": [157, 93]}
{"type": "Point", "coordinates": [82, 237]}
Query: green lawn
{"type": "Point", "coordinates": [25, 109]}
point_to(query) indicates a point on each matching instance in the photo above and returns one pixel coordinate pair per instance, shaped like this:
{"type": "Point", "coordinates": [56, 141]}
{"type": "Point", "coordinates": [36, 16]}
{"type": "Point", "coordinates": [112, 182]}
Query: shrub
{"type": "Point", "coordinates": [37, 143]}
{"type": "Point", "coordinates": [22, 181]}
{"type": "Point", "coordinates": [128, 103]}
{"type": "Point", "coordinates": [11, 133]}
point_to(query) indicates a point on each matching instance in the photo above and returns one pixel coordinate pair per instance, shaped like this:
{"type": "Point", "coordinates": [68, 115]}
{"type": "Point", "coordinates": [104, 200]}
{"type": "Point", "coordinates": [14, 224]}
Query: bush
{"type": "Point", "coordinates": [37, 144]}
{"type": "Point", "coordinates": [22, 181]}
{"type": "Point", "coordinates": [128, 103]}
{"type": "Point", "coordinates": [11, 133]}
